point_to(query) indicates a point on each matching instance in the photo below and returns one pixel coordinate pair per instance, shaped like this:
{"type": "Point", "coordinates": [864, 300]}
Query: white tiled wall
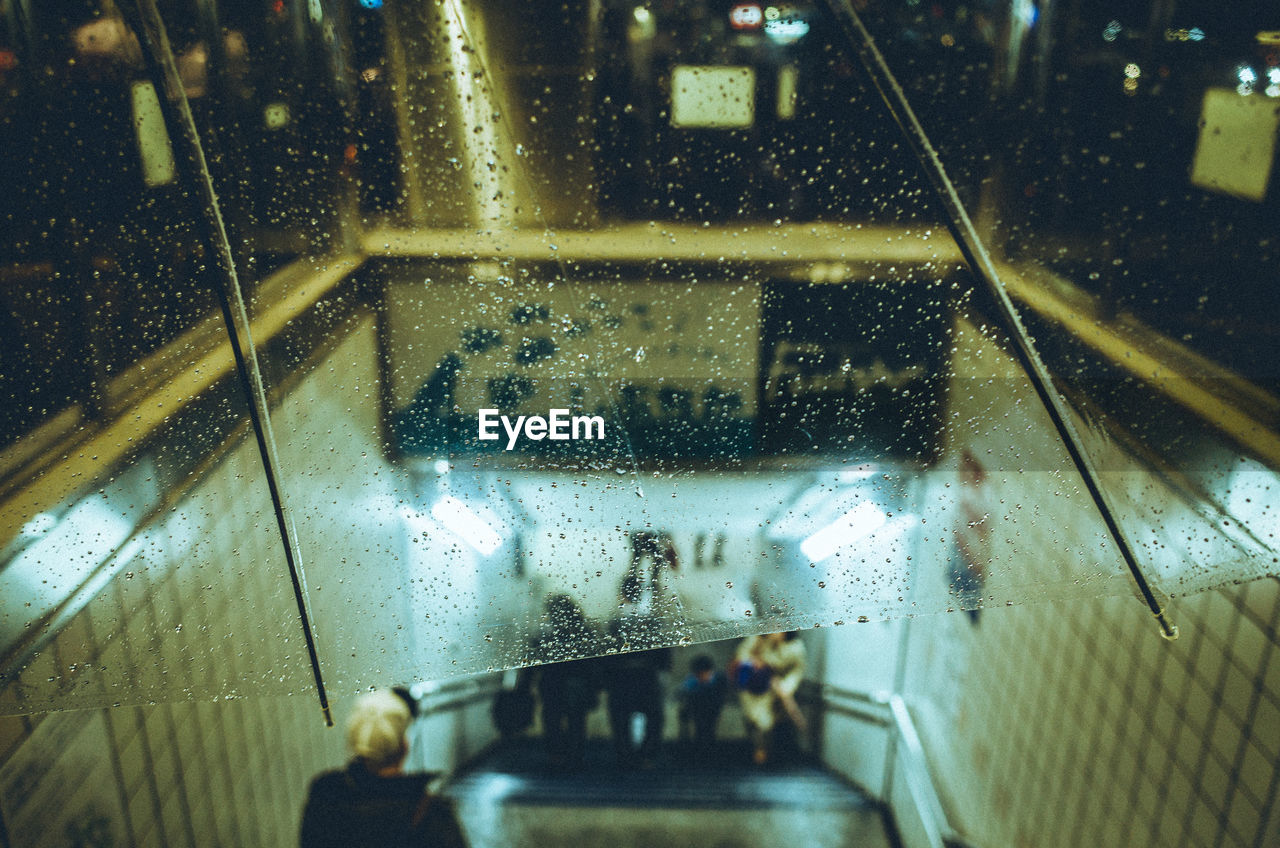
{"type": "Point", "coordinates": [222, 758]}
{"type": "Point", "coordinates": [1076, 724]}
{"type": "Point", "coordinates": [177, 774]}
{"type": "Point", "coordinates": [1052, 724]}
{"type": "Point", "coordinates": [1070, 721]}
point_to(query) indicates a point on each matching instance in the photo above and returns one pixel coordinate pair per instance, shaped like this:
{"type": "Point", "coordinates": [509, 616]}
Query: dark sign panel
{"type": "Point", "coordinates": [851, 369]}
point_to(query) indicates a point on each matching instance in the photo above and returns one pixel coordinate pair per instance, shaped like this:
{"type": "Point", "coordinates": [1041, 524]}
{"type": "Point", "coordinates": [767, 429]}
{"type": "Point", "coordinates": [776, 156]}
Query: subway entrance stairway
{"type": "Point", "coordinates": [943, 335]}
{"type": "Point", "coordinates": [986, 711]}
{"type": "Point", "coordinates": [720, 800]}
{"type": "Point", "coordinates": [967, 702]}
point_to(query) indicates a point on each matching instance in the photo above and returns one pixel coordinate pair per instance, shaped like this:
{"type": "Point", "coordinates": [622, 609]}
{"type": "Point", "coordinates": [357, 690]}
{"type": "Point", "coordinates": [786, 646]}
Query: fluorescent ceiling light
{"type": "Point", "coordinates": [815, 508]}
{"type": "Point", "coordinates": [786, 31]}
{"type": "Point", "coordinates": [473, 529]}
{"type": "Point", "coordinates": [848, 528]}
{"type": "Point", "coordinates": [861, 472]}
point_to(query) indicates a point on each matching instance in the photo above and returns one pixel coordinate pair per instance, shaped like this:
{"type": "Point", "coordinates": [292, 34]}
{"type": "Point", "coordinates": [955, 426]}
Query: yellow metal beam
{"type": "Point", "coordinates": [646, 242]}
{"type": "Point", "coordinates": [1211, 392]}
{"type": "Point", "coordinates": [1144, 353]}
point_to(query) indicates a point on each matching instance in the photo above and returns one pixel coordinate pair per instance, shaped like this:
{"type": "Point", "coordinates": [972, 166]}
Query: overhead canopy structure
{"type": "Point", "coordinates": [782, 328]}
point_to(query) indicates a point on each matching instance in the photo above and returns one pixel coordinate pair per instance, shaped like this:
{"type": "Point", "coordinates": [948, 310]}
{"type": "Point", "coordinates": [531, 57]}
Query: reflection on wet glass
{"type": "Point", "coordinates": [1152, 135]}
{"type": "Point", "coordinates": [646, 312]}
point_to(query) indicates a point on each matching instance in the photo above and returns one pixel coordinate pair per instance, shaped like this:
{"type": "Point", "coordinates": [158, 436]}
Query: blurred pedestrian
{"type": "Point", "coordinates": [702, 695]}
{"type": "Point", "coordinates": [569, 689]}
{"type": "Point", "coordinates": [768, 669]}
{"type": "Point", "coordinates": [633, 676]}
{"type": "Point", "coordinates": [372, 802]}
{"type": "Point", "coordinates": [513, 705]}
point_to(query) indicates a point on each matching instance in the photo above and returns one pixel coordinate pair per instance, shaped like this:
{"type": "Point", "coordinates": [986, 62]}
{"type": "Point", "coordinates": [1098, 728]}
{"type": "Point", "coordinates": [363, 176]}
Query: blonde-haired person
{"type": "Point", "coordinates": [768, 670]}
{"type": "Point", "coordinates": [372, 801]}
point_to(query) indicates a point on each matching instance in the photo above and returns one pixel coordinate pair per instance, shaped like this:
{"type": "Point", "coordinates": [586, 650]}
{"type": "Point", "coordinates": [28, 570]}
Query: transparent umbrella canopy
{"type": "Point", "coordinates": [362, 334]}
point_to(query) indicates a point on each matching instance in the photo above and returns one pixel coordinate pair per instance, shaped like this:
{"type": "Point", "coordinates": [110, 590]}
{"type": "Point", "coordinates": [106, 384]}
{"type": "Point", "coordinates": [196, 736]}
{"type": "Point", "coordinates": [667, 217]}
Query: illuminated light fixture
{"type": "Point", "coordinates": [1273, 77]}
{"type": "Point", "coordinates": [861, 472]}
{"type": "Point", "coordinates": [458, 517]}
{"type": "Point", "coordinates": [1112, 31]}
{"type": "Point", "coordinates": [441, 466]}
{"type": "Point", "coordinates": [858, 522]}
{"type": "Point", "coordinates": [642, 15]}
{"type": "Point", "coordinates": [746, 16]}
{"type": "Point", "coordinates": [712, 96]}
{"type": "Point", "coordinates": [276, 116]}
{"type": "Point", "coordinates": [1132, 71]}
{"type": "Point", "coordinates": [61, 555]}
{"type": "Point", "coordinates": [478, 105]}
{"type": "Point", "coordinates": [1027, 12]}
{"type": "Point", "coordinates": [1194, 34]}
{"type": "Point", "coordinates": [1247, 77]}
{"type": "Point", "coordinates": [786, 30]}
{"type": "Point", "coordinates": [787, 76]}
{"type": "Point", "coordinates": [40, 524]}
